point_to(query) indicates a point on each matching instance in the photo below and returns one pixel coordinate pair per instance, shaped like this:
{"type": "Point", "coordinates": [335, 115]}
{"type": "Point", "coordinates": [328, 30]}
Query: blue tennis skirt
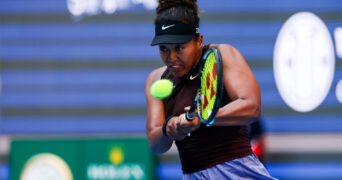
{"type": "Point", "coordinates": [248, 167]}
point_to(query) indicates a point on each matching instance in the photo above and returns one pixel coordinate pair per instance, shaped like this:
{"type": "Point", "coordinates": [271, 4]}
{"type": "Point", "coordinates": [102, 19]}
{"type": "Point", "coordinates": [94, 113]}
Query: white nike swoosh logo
{"type": "Point", "coordinates": [193, 77]}
{"type": "Point", "coordinates": [166, 27]}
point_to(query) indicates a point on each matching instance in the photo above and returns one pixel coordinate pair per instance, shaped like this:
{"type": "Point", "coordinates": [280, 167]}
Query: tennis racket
{"type": "Point", "coordinates": [209, 88]}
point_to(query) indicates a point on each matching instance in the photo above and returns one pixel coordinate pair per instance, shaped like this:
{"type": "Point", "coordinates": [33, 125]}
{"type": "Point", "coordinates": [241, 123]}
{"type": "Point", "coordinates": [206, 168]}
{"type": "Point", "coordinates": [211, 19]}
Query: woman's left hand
{"type": "Point", "coordinates": [192, 125]}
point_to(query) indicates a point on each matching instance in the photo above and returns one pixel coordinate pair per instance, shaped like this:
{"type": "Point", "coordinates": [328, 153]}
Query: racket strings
{"type": "Point", "coordinates": [209, 78]}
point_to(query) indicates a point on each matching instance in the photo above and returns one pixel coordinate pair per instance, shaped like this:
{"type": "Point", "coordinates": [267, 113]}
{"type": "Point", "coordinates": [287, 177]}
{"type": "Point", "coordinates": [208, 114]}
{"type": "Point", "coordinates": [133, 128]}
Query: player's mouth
{"type": "Point", "coordinates": [176, 67]}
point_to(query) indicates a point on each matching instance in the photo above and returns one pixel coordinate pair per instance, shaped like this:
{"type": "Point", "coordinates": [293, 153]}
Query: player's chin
{"type": "Point", "coordinates": [178, 71]}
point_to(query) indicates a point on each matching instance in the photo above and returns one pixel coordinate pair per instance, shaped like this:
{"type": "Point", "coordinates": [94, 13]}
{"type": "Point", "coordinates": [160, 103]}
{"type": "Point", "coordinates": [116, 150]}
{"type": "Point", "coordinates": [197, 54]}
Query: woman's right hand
{"type": "Point", "coordinates": [174, 130]}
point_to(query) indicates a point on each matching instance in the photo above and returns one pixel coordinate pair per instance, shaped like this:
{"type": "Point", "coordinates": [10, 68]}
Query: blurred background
{"type": "Point", "coordinates": [72, 85]}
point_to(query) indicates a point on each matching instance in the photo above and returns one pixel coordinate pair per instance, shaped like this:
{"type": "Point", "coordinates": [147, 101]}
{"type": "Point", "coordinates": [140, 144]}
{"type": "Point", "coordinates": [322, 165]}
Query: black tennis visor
{"type": "Point", "coordinates": [172, 32]}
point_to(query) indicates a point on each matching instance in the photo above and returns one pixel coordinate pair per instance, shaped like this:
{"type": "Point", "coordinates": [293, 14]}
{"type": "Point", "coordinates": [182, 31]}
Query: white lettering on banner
{"type": "Point", "coordinates": [149, 4]}
{"type": "Point", "coordinates": [94, 7]}
{"type": "Point", "coordinates": [110, 171]}
{"type": "Point", "coordinates": [338, 41]}
{"type": "Point", "coordinates": [338, 45]}
{"type": "Point", "coordinates": [339, 91]}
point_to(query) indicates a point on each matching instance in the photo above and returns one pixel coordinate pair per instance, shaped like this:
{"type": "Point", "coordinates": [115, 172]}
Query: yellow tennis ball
{"type": "Point", "coordinates": [162, 88]}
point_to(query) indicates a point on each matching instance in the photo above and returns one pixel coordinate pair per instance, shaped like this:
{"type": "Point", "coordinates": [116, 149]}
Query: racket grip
{"type": "Point", "coordinates": [189, 116]}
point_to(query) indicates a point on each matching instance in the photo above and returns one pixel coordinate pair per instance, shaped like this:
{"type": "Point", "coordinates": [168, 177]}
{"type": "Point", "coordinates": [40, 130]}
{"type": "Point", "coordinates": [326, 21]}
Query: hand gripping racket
{"type": "Point", "coordinates": [208, 93]}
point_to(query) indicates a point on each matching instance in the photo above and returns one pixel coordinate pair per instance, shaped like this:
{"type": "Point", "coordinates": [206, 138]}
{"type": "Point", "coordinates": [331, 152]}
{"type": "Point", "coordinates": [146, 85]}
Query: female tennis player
{"type": "Point", "coordinates": [221, 150]}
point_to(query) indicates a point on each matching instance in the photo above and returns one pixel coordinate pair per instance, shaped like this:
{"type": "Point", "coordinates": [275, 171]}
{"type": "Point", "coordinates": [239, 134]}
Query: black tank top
{"type": "Point", "coordinates": [207, 146]}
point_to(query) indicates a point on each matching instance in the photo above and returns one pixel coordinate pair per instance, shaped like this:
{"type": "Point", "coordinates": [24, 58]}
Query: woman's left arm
{"type": "Point", "coordinates": [242, 88]}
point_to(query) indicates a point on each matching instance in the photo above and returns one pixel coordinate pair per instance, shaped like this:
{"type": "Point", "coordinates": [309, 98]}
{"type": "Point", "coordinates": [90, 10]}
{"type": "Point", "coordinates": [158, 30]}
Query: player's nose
{"type": "Point", "coordinates": [173, 56]}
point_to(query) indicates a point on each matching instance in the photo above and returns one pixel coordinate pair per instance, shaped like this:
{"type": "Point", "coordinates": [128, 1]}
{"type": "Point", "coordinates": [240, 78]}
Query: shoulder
{"type": "Point", "coordinates": [226, 50]}
{"type": "Point", "coordinates": [230, 55]}
{"type": "Point", "coordinates": [155, 75]}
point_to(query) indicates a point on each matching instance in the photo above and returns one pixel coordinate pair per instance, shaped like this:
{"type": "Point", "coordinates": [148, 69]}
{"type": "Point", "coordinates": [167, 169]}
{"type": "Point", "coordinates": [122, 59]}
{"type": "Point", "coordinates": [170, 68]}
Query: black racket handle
{"type": "Point", "coordinates": [189, 115]}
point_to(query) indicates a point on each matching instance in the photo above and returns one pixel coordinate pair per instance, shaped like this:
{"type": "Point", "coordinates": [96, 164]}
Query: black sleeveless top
{"type": "Point", "coordinates": [207, 146]}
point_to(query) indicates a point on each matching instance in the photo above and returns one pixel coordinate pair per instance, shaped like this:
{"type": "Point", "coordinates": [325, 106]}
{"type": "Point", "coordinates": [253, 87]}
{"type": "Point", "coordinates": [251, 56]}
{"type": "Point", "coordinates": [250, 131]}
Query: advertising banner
{"type": "Point", "coordinates": [74, 159]}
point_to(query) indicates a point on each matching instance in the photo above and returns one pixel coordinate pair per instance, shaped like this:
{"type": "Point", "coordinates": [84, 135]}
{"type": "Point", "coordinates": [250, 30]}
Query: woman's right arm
{"type": "Point", "coordinates": [159, 143]}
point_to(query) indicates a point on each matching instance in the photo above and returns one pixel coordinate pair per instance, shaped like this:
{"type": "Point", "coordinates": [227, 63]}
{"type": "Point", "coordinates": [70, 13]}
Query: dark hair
{"type": "Point", "coordinates": [185, 11]}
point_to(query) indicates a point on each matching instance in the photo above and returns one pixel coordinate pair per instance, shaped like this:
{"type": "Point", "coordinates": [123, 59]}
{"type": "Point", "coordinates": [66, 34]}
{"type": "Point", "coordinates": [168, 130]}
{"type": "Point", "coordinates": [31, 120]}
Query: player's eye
{"type": "Point", "coordinates": [178, 48]}
{"type": "Point", "coordinates": [163, 48]}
